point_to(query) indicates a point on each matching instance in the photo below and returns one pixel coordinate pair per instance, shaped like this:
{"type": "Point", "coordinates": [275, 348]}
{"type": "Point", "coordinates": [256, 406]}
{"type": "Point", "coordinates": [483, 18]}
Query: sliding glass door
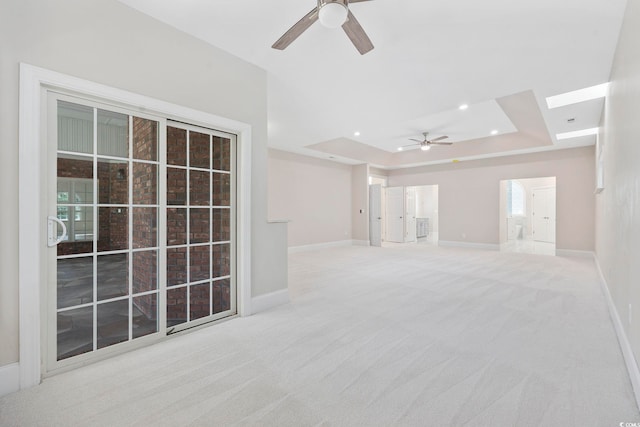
{"type": "Point", "coordinates": [142, 242]}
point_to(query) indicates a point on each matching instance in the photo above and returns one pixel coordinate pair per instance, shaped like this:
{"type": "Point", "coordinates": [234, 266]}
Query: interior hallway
{"type": "Point", "coordinates": [418, 335]}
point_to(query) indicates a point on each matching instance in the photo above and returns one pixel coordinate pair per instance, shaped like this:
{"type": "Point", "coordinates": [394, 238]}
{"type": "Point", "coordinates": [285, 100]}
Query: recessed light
{"type": "Point", "coordinates": [356, 133]}
{"type": "Point", "coordinates": [425, 148]}
{"type": "Point", "coordinates": [581, 95]}
{"type": "Point", "coordinates": [577, 133]}
{"type": "Point", "coordinates": [400, 149]}
{"type": "Point", "coordinates": [463, 107]}
{"type": "Point", "coordinates": [494, 132]}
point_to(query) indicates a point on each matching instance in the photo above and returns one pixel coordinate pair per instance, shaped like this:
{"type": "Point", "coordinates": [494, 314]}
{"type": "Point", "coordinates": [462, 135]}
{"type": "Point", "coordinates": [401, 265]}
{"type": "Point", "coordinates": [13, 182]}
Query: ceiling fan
{"type": "Point", "coordinates": [426, 143]}
{"type": "Point", "coordinates": [332, 14]}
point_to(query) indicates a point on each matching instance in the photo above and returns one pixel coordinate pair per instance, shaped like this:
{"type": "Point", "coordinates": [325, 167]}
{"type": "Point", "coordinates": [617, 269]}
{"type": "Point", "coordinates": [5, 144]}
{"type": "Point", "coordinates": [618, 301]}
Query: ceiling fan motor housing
{"type": "Point", "coordinates": [333, 13]}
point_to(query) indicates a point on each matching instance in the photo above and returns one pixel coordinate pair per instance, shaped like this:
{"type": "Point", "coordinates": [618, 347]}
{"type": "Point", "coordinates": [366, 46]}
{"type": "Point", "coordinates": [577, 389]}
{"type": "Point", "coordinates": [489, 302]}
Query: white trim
{"type": "Point", "coordinates": [9, 379]}
{"type": "Point", "coordinates": [270, 300]}
{"type": "Point", "coordinates": [361, 243]}
{"type": "Point", "coordinates": [575, 253]}
{"type": "Point", "coordinates": [623, 340]}
{"type": "Point", "coordinates": [471, 245]}
{"type": "Point", "coordinates": [317, 246]}
{"type": "Point", "coordinates": [32, 227]}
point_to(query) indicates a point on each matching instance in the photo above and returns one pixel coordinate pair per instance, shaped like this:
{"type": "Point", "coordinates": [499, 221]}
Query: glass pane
{"type": "Point", "coordinates": [176, 226]}
{"type": "Point", "coordinates": [221, 296]}
{"type": "Point", "coordinates": [221, 190]}
{"type": "Point", "coordinates": [72, 167]}
{"type": "Point", "coordinates": [199, 225]}
{"type": "Point", "coordinates": [199, 152]}
{"type": "Point", "coordinates": [198, 188]}
{"type": "Point", "coordinates": [113, 134]}
{"type": "Point", "coordinates": [145, 139]}
{"type": "Point", "coordinates": [176, 146]}
{"type": "Point", "coordinates": [79, 222]}
{"type": "Point", "coordinates": [145, 271]}
{"type": "Point", "coordinates": [75, 332]}
{"type": "Point", "coordinates": [113, 323]}
{"type": "Point", "coordinates": [176, 306]}
{"type": "Point", "coordinates": [74, 281]}
{"type": "Point", "coordinates": [199, 263]}
{"type": "Point", "coordinates": [75, 127]}
{"type": "Point", "coordinates": [221, 260]}
{"type": "Point", "coordinates": [176, 186]}
{"type": "Point", "coordinates": [145, 227]}
{"type": "Point", "coordinates": [145, 184]}
{"type": "Point", "coordinates": [113, 231]}
{"type": "Point", "coordinates": [221, 225]}
{"type": "Point", "coordinates": [113, 276]}
{"type": "Point", "coordinates": [176, 266]}
{"type": "Point", "coordinates": [199, 305]}
{"type": "Point", "coordinates": [145, 315]}
{"type": "Point", "coordinates": [113, 182]}
{"type": "Point", "coordinates": [221, 154]}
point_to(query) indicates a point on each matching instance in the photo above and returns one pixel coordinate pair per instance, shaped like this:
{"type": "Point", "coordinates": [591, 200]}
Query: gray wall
{"type": "Point", "coordinates": [109, 43]}
{"type": "Point", "coordinates": [618, 206]}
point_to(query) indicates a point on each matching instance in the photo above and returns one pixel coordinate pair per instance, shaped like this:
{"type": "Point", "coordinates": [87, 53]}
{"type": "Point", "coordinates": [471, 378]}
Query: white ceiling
{"type": "Point", "coordinates": [429, 58]}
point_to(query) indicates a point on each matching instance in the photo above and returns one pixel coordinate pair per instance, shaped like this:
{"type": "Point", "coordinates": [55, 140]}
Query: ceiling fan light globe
{"type": "Point", "coordinates": [425, 148]}
{"type": "Point", "coordinates": [333, 15]}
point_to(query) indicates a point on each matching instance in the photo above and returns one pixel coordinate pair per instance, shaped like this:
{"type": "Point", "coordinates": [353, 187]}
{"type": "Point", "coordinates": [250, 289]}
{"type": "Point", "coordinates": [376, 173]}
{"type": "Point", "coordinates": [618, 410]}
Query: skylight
{"type": "Point", "coordinates": [581, 95]}
{"type": "Point", "coordinates": [577, 133]}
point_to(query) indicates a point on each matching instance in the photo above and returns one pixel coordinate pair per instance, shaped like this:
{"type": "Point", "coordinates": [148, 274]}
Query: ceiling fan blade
{"type": "Point", "coordinates": [356, 34]}
{"type": "Point", "coordinates": [416, 140]}
{"type": "Point", "coordinates": [439, 138]}
{"type": "Point", "coordinates": [357, 1]}
{"type": "Point", "coordinates": [441, 143]}
{"type": "Point", "coordinates": [294, 32]}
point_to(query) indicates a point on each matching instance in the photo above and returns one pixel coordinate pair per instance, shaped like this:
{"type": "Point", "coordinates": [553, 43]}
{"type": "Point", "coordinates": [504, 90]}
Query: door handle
{"type": "Point", "coordinates": [379, 217]}
{"type": "Point", "coordinates": [52, 221]}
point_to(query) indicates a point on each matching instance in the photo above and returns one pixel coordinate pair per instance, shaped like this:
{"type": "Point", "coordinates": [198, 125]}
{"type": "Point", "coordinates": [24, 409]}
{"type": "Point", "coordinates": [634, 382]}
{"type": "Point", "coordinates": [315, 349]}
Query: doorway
{"type": "Point", "coordinates": [528, 215]}
{"type": "Point", "coordinates": [407, 214]}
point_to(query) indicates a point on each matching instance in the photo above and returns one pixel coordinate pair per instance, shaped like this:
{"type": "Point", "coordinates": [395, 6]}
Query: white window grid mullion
{"type": "Point", "coordinates": [130, 230]}
{"type": "Point", "coordinates": [210, 224]}
{"type": "Point", "coordinates": [94, 255]}
{"type": "Point", "coordinates": [188, 198]}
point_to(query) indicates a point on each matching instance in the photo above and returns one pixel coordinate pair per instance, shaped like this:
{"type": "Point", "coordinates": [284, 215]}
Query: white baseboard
{"type": "Point", "coordinates": [9, 379]}
{"type": "Point", "coordinates": [574, 253]}
{"type": "Point", "coordinates": [316, 246]}
{"type": "Point", "coordinates": [267, 301]}
{"type": "Point", "coordinates": [360, 243]}
{"type": "Point", "coordinates": [625, 345]}
{"type": "Point", "coordinates": [486, 246]}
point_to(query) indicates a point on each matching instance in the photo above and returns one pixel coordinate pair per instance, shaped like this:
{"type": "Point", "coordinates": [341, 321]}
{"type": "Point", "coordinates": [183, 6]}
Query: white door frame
{"type": "Point", "coordinates": [34, 82]}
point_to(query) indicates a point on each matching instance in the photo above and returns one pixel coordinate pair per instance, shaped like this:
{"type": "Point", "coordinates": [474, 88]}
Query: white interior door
{"type": "Point", "coordinates": [395, 214]}
{"type": "Point", "coordinates": [544, 215]}
{"type": "Point", "coordinates": [375, 215]}
{"type": "Point", "coordinates": [410, 215]}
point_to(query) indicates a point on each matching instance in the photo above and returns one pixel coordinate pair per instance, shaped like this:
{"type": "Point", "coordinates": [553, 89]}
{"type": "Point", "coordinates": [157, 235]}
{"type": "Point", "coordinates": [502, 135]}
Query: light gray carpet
{"type": "Point", "coordinates": [415, 336]}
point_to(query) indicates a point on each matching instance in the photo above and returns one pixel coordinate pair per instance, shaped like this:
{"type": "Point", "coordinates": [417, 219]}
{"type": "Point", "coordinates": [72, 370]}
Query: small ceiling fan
{"type": "Point", "coordinates": [426, 143]}
{"type": "Point", "coordinates": [332, 14]}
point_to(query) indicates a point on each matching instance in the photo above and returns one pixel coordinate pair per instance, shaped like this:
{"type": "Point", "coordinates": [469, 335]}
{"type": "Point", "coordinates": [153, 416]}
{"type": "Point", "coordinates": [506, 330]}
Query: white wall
{"type": "Point", "coordinates": [618, 206]}
{"type": "Point", "coordinates": [314, 194]}
{"type": "Point", "coordinates": [469, 194]}
{"type": "Point", "coordinates": [109, 43]}
{"type": "Point", "coordinates": [360, 202]}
